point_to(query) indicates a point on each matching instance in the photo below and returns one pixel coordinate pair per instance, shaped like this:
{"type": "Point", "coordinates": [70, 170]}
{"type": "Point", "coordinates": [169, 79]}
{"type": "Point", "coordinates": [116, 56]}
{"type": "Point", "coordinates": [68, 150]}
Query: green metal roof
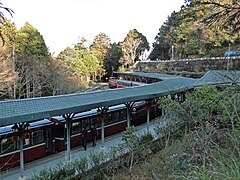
{"type": "Point", "coordinates": [27, 110]}
{"type": "Point", "coordinates": [148, 75]}
{"type": "Point", "coordinates": [217, 77]}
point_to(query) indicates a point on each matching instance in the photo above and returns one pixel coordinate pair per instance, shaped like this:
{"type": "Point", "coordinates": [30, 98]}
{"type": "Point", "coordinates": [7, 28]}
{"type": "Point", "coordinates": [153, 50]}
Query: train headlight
{"type": "Point", "coordinates": [134, 110]}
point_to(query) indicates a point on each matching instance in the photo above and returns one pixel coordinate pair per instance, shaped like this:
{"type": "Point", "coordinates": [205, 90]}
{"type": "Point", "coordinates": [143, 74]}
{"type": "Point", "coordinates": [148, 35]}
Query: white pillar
{"type": "Point", "coordinates": [148, 116]}
{"type": "Point", "coordinates": [68, 123]}
{"type": "Point", "coordinates": [102, 128]}
{"type": "Point", "coordinates": [21, 132]}
{"type": "Point", "coordinates": [128, 105]}
{"type": "Point", "coordinates": [68, 118]}
{"type": "Point", "coordinates": [128, 116]}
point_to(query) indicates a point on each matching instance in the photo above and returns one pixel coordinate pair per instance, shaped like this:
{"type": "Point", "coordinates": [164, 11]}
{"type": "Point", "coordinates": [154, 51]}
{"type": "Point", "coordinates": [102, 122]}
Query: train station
{"type": "Point", "coordinates": [50, 125]}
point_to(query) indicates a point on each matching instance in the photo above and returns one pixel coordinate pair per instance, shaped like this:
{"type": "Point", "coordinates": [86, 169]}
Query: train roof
{"type": "Point", "coordinates": [33, 109]}
{"type": "Point", "coordinates": [158, 76]}
{"type": "Point", "coordinates": [8, 129]}
{"type": "Point", "coordinates": [93, 112]}
{"type": "Point", "coordinates": [133, 82]}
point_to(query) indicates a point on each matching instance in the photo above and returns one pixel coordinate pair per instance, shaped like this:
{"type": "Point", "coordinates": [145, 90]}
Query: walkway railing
{"type": "Point", "coordinates": [195, 59]}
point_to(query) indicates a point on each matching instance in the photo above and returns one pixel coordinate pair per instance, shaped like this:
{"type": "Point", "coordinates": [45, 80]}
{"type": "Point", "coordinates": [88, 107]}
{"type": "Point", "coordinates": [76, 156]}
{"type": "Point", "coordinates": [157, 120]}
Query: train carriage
{"type": "Point", "coordinates": [125, 83]}
{"type": "Point", "coordinates": [114, 121]}
{"type": "Point", "coordinates": [38, 142]}
{"type": "Point", "coordinates": [48, 136]}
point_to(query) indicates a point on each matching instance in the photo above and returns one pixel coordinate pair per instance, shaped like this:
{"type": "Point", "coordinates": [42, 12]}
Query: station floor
{"type": "Point", "coordinates": [54, 160]}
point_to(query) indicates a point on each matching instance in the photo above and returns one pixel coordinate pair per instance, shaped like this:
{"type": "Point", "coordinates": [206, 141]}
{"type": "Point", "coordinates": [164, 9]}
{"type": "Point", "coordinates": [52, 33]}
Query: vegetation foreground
{"type": "Point", "coordinates": [196, 139]}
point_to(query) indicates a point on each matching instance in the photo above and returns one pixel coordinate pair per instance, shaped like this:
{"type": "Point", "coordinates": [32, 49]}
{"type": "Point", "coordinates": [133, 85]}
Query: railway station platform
{"type": "Point", "coordinates": [54, 160]}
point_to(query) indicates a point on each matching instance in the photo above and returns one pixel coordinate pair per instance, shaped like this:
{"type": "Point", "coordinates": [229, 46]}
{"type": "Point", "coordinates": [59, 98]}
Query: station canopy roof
{"type": "Point", "coordinates": [159, 76]}
{"type": "Point", "coordinates": [219, 77]}
{"type": "Point", "coordinates": [32, 109]}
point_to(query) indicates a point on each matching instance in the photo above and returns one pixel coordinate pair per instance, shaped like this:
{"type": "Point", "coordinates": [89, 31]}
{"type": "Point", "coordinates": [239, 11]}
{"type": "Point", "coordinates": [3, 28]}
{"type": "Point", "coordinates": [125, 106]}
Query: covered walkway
{"type": "Point", "coordinates": [28, 110]}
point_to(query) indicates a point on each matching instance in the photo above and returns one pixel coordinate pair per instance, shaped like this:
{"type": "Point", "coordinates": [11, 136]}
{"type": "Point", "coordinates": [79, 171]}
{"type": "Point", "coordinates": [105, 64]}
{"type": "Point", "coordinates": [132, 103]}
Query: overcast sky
{"type": "Point", "coordinates": [63, 23]}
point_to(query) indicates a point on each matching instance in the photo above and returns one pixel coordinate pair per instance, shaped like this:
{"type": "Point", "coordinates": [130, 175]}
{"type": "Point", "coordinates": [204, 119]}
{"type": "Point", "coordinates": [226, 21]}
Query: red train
{"type": "Point", "coordinates": [125, 83]}
{"type": "Point", "coordinates": [48, 136]}
{"type": "Point", "coordinates": [121, 83]}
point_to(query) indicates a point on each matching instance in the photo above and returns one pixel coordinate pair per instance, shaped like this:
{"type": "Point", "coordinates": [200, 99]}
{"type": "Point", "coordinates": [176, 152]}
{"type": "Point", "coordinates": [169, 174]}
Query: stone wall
{"type": "Point", "coordinates": [189, 67]}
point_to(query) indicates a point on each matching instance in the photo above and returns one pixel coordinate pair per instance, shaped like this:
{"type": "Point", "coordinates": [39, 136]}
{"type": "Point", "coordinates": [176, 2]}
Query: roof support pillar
{"type": "Point", "coordinates": [20, 129]}
{"type": "Point", "coordinates": [68, 118]}
{"type": "Point", "coordinates": [129, 106]}
{"type": "Point", "coordinates": [149, 103]}
{"type": "Point", "coordinates": [148, 115]}
{"type": "Point", "coordinates": [102, 111]}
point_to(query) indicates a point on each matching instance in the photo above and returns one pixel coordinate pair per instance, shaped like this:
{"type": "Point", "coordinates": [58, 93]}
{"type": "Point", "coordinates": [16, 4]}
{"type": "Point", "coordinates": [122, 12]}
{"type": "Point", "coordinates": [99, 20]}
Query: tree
{"type": "Point", "coordinates": [133, 45]}
{"type": "Point", "coordinates": [165, 39]}
{"type": "Point", "coordinates": [220, 16]}
{"type": "Point", "coordinates": [225, 14]}
{"type": "Point", "coordinates": [8, 75]}
{"type": "Point", "coordinates": [199, 107]}
{"type": "Point", "coordinates": [59, 81]}
{"type": "Point", "coordinates": [31, 43]}
{"type": "Point", "coordinates": [33, 77]}
{"type": "Point", "coordinates": [197, 30]}
{"type": "Point", "coordinates": [99, 48]}
{"type": "Point", "coordinates": [230, 104]}
{"type": "Point", "coordinates": [3, 19]}
{"type": "Point", "coordinates": [134, 150]}
{"type": "Point", "coordinates": [31, 60]}
{"type": "Point", "coordinates": [112, 60]}
{"type": "Point", "coordinates": [79, 62]}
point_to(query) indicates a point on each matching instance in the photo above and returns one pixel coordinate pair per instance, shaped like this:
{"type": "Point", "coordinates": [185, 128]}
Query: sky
{"type": "Point", "coordinates": [63, 23]}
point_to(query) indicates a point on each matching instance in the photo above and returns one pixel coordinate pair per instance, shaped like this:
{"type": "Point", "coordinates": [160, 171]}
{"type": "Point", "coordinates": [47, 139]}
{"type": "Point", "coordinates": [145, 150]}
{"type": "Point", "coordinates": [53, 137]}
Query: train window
{"type": "Point", "coordinates": [59, 131]}
{"type": "Point", "coordinates": [76, 127]}
{"type": "Point", "coordinates": [122, 115]}
{"type": "Point", "coordinates": [37, 137]}
{"type": "Point", "coordinates": [7, 145]}
{"type": "Point", "coordinates": [26, 143]}
{"type": "Point", "coordinates": [116, 116]}
{"type": "Point", "coordinates": [97, 122]}
{"type": "Point", "coordinates": [109, 119]}
{"type": "Point", "coordinates": [87, 123]}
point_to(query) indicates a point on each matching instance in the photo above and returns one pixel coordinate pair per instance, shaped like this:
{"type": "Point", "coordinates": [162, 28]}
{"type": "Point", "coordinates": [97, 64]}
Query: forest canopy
{"type": "Point", "coordinates": [201, 28]}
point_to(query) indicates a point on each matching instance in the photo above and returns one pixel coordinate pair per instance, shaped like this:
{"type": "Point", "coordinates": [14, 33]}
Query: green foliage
{"type": "Point", "coordinates": [199, 107]}
{"type": "Point", "coordinates": [79, 61]}
{"type": "Point", "coordinates": [165, 39]}
{"type": "Point", "coordinates": [223, 167]}
{"type": "Point", "coordinates": [81, 165]}
{"type": "Point", "coordinates": [133, 45]}
{"type": "Point", "coordinates": [231, 107]}
{"type": "Point", "coordinates": [208, 152]}
{"type": "Point", "coordinates": [111, 62]}
{"type": "Point", "coordinates": [3, 21]}
{"type": "Point", "coordinates": [129, 136]}
{"type": "Point", "coordinates": [99, 48]}
{"type": "Point", "coordinates": [8, 75]}
{"type": "Point", "coordinates": [29, 42]}
{"type": "Point", "coordinates": [197, 30]}
{"type": "Point", "coordinates": [61, 172]}
{"type": "Point", "coordinates": [7, 33]}
{"type": "Point", "coordinates": [96, 159]}
{"type": "Point", "coordinates": [226, 14]}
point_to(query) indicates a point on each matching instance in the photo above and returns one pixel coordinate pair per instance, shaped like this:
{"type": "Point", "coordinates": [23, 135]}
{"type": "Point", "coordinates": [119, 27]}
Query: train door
{"type": "Point", "coordinates": [49, 140]}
